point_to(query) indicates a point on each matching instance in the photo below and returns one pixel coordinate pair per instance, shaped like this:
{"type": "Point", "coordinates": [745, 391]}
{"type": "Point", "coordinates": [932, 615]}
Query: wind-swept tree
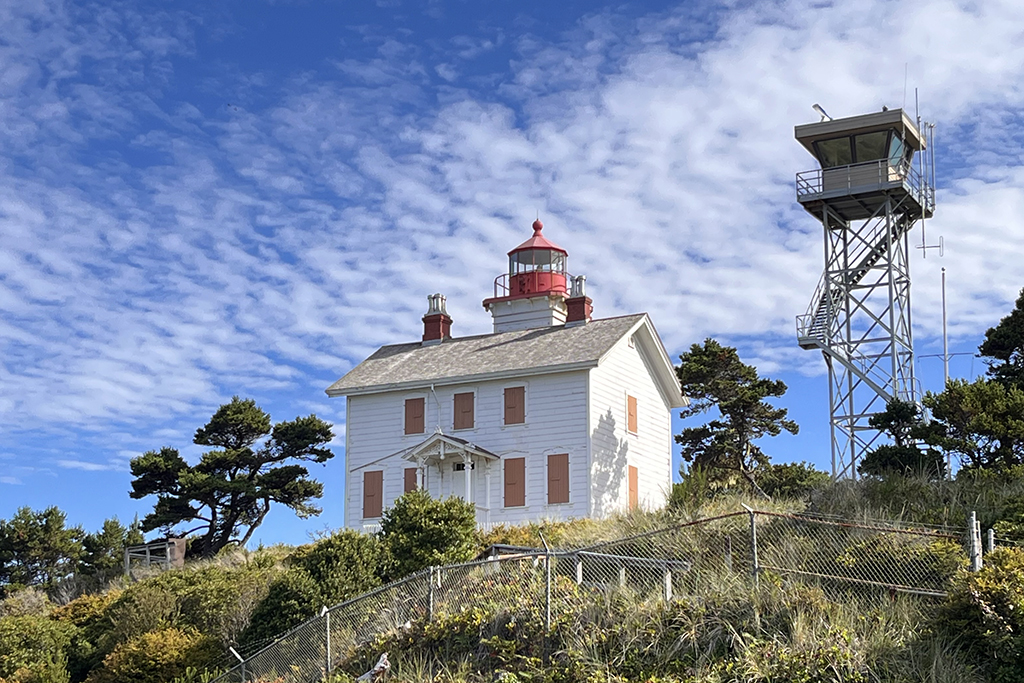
{"type": "Point", "coordinates": [230, 490]}
{"type": "Point", "coordinates": [36, 548]}
{"type": "Point", "coordinates": [981, 422]}
{"type": "Point", "coordinates": [903, 422]}
{"type": "Point", "coordinates": [1003, 347]}
{"type": "Point", "coordinates": [714, 378]}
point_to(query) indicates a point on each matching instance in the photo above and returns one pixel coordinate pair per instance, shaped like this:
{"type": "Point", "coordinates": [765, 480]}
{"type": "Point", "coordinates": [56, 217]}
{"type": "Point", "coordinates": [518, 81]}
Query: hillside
{"type": "Point", "coordinates": [609, 617]}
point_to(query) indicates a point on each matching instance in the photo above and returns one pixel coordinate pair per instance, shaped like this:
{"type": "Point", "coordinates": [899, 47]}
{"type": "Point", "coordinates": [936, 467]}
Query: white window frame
{"type": "Point", "coordinates": [526, 404]}
{"type": "Point", "coordinates": [476, 408]}
{"type": "Point", "coordinates": [426, 410]}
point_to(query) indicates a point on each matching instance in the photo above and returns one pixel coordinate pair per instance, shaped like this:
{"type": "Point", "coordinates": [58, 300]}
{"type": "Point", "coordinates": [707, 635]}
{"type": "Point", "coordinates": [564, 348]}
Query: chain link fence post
{"type": "Point", "coordinates": [974, 534]}
{"type": "Point", "coordinates": [755, 566]}
{"type": "Point", "coordinates": [547, 584]}
{"type": "Point", "coordinates": [327, 632]}
{"type": "Point", "coordinates": [430, 596]}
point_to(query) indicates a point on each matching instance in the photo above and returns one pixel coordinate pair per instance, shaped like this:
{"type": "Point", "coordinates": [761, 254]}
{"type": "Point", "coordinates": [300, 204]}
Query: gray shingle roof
{"type": "Point", "coordinates": [408, 365]}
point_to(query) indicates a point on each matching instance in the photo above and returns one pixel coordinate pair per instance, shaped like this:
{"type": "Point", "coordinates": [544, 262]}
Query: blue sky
{"type": "Point", "coordinates": [206, 199]}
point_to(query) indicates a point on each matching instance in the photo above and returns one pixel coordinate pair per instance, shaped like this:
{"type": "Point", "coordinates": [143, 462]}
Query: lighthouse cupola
{"type": "Point", "coordinates": [533, 291]}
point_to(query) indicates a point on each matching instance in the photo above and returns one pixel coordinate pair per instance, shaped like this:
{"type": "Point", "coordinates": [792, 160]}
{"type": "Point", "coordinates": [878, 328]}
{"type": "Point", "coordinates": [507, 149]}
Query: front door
{"type": "Point", "coordinates": [458, 479]}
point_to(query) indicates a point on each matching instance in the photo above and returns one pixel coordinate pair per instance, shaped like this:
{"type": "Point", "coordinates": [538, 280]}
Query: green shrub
{"type": "Point", "coordinates": [144, 607]}
{"type": "Point", "coordinates": [88, 614]}
{"type": "Point", "coordinates": [292, 598]}
{"type": "Point", "coordinates": [771, 661]}
{"type": "Point", "coordinates": [890, 459]}
{"type": "Point", "coordinates": [696, 488]}
{"type": "Point", "coordinates": [156, 657]}
{"type": "Point", "coordinates": [33, 645]}
{"type": "Point", "coordinates": [985, 610]}
{"type": "Point", "coordinates": [29, 600]}
{"type": "Point", "coordinates": [791, 479]}
{"type": "Point", "coordinates": [419, 531]}
{"type": "Point", "coordinates": [219, 602]}
{"type": "Point", "coordinates": [343, 565]}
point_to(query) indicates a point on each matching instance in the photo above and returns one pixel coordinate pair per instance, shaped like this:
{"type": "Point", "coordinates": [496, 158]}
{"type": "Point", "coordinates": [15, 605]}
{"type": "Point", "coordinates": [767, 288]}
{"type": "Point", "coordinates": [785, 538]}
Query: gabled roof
{"type": "Point", "coordinates": [507, 354]}
{"type": "Point", "coordinates": [438, 442]}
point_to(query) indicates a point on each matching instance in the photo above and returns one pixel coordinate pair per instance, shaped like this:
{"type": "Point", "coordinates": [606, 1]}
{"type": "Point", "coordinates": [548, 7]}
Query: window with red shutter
{"type": "Point", "coordinates": [414, 410]}
{"type": "Point", "coordinates": [515, 482]}
{"type": "Point", "coordinates": [558, 478]}
{"type": "Point", "coordinates": [463, 411]}
{"type": "Point", "coordinates": [515, 405]}
{"type": "Point", "coordinates": [373, 494]}
{"type": "Point", "coordinates": [410, 479]}
{"type": "Point", "coordinates": [634, 492]}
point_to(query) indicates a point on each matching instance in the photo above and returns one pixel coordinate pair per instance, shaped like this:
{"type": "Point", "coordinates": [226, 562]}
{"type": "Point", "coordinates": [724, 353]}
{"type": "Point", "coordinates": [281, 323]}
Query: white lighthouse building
{"type": "Point", "coordinates": [553, 415]}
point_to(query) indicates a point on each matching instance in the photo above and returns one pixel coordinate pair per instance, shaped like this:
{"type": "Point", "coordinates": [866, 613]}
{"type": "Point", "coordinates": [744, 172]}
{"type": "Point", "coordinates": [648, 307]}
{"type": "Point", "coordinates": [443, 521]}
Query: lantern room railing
{"type": "Point", "coordinates": [531, 282]}
{"type": "Point", "coordinates": [862, 177]}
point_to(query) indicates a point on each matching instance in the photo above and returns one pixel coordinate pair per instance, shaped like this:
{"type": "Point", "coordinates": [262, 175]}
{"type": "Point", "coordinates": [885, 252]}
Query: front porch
{"type": "Point", "coordinates": [449, 466]}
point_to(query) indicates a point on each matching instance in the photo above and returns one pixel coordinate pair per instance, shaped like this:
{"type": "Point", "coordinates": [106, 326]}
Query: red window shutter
{"type": "Point", "coordinates": [373, 494]}
{"type": "Point", "coordinates": [515, 405]}
{"type": "Point", "coordinates": [515, 482]}
{"type": "Point", "coordinates": [410, 479]}
{"type": "Point", "coordinates": [634, 494]}
{"type": "Point", "coordinates": [463, 411]}
{"type": "Point", "coordinates": [631, 414]}
{"type": "Point", "coordinates": [414, 409]}
{"type": "Point", "coordinates": [558, 478]}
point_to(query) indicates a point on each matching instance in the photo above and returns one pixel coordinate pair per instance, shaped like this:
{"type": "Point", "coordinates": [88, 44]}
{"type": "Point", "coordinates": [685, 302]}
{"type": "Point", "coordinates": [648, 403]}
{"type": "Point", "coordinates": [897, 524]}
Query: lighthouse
{"type": "Point", "coordinates": [535, 292]}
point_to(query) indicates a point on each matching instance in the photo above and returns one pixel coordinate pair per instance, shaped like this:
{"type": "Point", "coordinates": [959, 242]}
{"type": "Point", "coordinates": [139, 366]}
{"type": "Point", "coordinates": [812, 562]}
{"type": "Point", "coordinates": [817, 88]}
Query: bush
{"type": "Point", "coordinates": [220, 602]}
{"type": "Point", "coordinates": [292, 598]}
{"type": "Point", "coordinates": [88, 614]}
{"type": "Point", "coordinates": [791, 479]}
{"type": "Point", "coordinates": [31, 645]}
{"type": "Point", "coordinates": [420, 531]}
{"type": "Point", "coordinates": [985, 610]}
{"type": "Point", "coordinates": [696, 489]}
{"type": "Point", "coordinates": [156, 657]}
{"type": "Point", "coordinates": [343, 565]}
{"type": "Point", "coordinates": [890, 459]}
{"type": "Point", "coordinates": [30, 600]}
{"type": "Point", "coordinates": [144, 607]}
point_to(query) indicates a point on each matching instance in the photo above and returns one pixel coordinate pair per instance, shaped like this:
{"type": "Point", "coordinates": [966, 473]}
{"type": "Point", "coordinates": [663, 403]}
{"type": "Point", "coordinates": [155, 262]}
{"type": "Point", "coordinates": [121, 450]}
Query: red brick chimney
{"type": "Point", "coordinates": [578, 306]}
{"type": "Point", "coordinates": [437, 325]}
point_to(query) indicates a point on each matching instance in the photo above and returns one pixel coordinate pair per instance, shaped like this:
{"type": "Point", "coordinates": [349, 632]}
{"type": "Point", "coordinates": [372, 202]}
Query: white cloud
{"type": "Point", "coordinates": [162, 254]}
{"type": "Point", "coordinates": [84, 466]}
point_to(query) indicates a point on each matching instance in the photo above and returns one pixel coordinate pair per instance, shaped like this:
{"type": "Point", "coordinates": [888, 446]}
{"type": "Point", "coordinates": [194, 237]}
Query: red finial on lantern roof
{"type": "Point", "coordinates": [538, 241]}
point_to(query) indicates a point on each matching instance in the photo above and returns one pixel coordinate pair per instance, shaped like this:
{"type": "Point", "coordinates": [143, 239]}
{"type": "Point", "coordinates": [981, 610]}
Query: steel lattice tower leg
{"type": "Point", "coordinates": [869, 348]}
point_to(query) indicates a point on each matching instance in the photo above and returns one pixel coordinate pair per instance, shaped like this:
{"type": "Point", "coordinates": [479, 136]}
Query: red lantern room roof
{"type": "Point", "coordinates": [538, 241]}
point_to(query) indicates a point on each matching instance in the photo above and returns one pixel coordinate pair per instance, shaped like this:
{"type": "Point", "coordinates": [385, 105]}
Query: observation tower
{"type": "Point", "coordinates": [868, 194]}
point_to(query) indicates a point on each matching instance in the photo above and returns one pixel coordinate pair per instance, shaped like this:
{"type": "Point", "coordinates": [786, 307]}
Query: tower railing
{"type": "Point", "coordinates": [503, 289]}
{"type": "Point", "coordinates": [865, 176]}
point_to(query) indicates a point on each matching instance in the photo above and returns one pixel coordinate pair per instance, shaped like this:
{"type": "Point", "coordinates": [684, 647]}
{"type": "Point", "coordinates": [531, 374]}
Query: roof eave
{"type": "Point", "coordinates": [462, 379]}
{"type": "Point", "coordinates": [664, 372]}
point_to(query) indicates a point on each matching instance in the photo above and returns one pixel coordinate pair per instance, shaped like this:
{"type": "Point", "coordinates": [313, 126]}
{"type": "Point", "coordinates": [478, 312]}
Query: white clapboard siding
{"type": "Point", "coordinates": [622, 373]}
{"type": "Point", "coordinates": [556, 422]}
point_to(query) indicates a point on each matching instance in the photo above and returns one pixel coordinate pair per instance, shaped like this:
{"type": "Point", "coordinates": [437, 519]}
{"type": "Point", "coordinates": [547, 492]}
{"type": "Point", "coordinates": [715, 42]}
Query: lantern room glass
{"type": "Point", "coordinates": [533, 260]}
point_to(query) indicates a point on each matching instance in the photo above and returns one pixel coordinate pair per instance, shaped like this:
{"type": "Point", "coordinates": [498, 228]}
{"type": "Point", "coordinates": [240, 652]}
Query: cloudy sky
{"type": "Point", "coordinates": [206, 199]}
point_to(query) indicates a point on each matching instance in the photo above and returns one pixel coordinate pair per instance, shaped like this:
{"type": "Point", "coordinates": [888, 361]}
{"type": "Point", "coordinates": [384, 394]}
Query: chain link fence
{"type": "Point", "coordinates": [695, 558]}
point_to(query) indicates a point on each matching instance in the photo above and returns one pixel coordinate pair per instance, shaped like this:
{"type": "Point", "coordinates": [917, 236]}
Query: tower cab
{"type": "Point", "coordinates": [534, 291]}
{"type": "Point", "coordinates": [864, 161]}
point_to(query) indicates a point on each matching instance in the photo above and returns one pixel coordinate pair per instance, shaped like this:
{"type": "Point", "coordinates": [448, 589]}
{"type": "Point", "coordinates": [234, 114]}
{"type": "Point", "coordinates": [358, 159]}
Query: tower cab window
{"type": "Point", "coordinates": [862, 148]}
